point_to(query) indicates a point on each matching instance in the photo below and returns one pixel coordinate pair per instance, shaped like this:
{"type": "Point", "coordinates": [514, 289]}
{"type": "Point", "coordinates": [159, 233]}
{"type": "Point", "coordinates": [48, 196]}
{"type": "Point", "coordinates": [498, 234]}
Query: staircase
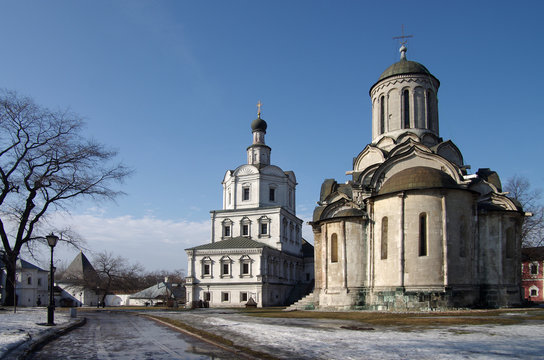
{"type": "Point", "coordinates": [309, 302]}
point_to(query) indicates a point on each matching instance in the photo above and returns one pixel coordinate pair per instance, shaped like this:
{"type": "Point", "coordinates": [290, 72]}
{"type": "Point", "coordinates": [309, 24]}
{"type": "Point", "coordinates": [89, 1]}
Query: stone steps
{"type": "Point", "coordinates": [309, 302]}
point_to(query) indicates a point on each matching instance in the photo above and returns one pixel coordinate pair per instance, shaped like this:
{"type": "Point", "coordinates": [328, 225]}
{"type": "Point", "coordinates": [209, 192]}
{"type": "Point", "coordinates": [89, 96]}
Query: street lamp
{"type": "Point", "coordinates": [52, 241]}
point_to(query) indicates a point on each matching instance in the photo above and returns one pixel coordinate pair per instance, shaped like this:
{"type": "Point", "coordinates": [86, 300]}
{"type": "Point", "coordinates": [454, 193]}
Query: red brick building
{"type": "Point", "coordinates": [533, 273]}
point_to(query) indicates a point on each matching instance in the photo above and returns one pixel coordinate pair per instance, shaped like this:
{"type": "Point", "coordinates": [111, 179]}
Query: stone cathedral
{"type": "Point", "coordinates": [412, 229]}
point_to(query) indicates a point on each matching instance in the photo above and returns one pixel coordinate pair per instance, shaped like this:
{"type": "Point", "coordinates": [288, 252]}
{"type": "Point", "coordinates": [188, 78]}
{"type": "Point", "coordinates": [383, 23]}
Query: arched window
{"type": "Point", "coordinates": [406, 102]}
{"type": "Point", "coordinates": [423, 234]}
{"type": "Point", "coordinates": [334, 248]}
{"type": "Point", "coordinates": [430, 109]}
{"type": "Point", "coordinates": [382, 115]}
{"type": "Point", "coordinates": [384, 237]}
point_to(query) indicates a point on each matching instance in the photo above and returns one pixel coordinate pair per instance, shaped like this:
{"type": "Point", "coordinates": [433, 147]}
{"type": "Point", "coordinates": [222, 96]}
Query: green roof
{"type": "Point", "coordinates": [404, 67]}
{"type": "Point", "coordinates": [234, 243]}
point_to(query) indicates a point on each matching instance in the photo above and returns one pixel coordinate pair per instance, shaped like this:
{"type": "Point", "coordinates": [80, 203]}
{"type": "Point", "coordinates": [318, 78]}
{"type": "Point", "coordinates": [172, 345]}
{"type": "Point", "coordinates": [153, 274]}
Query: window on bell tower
{"type": "Point", "coordinates": [272, 194]}
{"type": "Point", "coordinates": [406, 112]}
{"type": "Point", "coordinates": [245, 193]}
{"type": "Point", "coordinates": [382, 115]}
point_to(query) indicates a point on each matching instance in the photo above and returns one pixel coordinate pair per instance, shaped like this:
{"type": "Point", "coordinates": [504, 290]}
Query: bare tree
{"type": "Point", "coordinates": [116, 273]}
{"type": "Point", "coordinates": [44, 163]}
{"type": "Point", "coordinates": [532, 230]}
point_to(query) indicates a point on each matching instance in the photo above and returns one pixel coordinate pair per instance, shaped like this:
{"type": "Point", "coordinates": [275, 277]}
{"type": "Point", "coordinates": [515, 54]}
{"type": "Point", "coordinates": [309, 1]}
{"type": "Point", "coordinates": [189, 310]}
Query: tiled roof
{"type": "Point", "coordinates": [234, 243]}
{"type": "Point", "coordinates": [22, 264]}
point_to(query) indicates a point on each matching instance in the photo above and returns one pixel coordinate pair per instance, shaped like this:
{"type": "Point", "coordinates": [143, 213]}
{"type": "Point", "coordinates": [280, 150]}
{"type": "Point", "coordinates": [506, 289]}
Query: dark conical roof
{"type": "Point", "coordinates": [80, 268]}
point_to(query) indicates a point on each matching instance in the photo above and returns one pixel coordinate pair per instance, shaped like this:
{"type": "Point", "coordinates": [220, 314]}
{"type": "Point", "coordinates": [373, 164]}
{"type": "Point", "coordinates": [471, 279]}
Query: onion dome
{"type": "Point", "coordinates": [258, 124]}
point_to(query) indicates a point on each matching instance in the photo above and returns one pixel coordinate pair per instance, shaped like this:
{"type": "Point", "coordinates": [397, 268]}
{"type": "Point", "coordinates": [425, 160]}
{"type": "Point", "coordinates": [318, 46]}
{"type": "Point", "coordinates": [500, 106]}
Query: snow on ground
{"type": "Point", "coordinates": [16, 328]}
{"type": "Point", "coordinates": [469, 342]}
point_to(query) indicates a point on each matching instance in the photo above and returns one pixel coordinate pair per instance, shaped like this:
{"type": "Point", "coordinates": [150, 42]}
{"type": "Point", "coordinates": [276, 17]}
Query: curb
{"type": "Point", "coordinates": [233, 350]}
{"type": "Point", "coordinates": [22, 351]}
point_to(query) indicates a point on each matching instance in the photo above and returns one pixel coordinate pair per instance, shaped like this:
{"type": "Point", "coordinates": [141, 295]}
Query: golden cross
{"type": "Point", "coordinates": [403, 37]}
{"type": "Point", "coordinates": [259, 104]}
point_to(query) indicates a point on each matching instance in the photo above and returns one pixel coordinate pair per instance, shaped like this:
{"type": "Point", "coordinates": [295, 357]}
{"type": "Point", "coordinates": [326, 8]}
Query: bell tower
{"type": "Point", "coordinates": [258, 153]}
{"type": "Point", "coordinates": [404, 100]}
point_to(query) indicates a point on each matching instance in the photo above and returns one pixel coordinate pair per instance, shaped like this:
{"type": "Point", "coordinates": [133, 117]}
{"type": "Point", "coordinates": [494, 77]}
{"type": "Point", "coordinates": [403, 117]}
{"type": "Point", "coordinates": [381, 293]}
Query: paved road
{"type": "Point", "coordinates": [110, 335]}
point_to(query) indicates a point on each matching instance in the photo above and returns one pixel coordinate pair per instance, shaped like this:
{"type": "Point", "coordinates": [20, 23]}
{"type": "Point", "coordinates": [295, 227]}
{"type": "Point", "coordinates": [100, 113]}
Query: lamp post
{"type": "Point", "coordinates": [52, 241]}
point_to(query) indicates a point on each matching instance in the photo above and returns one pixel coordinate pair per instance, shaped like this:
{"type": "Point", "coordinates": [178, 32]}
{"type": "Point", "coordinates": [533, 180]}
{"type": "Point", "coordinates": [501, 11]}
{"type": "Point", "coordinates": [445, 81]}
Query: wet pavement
{"type": "Point", "coordinates": [115, 335]}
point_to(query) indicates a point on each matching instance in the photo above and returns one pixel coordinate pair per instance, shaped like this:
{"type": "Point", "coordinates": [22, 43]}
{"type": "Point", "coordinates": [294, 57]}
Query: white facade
{"type": "Point", "coordinates": [31, 285]}
{"type": "Point", "coordinates": [256, 238]}
{"type": "Point", "coordinates": [77, 295]}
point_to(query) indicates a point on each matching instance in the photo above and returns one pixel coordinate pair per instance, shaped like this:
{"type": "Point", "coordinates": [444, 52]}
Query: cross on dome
{"type": "Point", "coordinates": [259, 104]}
{"type": "Point", "coordinates": [403, 41]}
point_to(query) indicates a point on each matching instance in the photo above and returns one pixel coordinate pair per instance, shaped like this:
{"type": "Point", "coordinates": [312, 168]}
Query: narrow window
{"type": "Point", "coordinates": [226, 231]}
{"type": "Point", "coordinates": [245, 230]}
{"type": "Point", "coordinates": [245, 268]}
{"type": "Point", "coordinates": [422, 234]}
{"type": "Point", "coordinates": [272, 194]}
{"type": "Point", "coordinates": [264, 229]}
{"type": "Point", "coordinates": [406, 98]}
{"type": "Point", "coordinates": [29, 280]}
{"type": "Point", "coordinates": [207, 296]}
{"type": "Point", "coordinates": [245, 194]}
{"type": "Point", "coordinates": [206, 269]}
{"type": "Point", "coordinates": [229, 197]}
{"type": "Point", "coordinates": [243, 296]}
{"type": "Point", "coordinates": [429, 110]}
{"type": "Point", "coordinates": [225, 269]}
{"type": "Point", "coordinates": [534, 292]}
{"type": "Point", "coordinates": [384, 237]}
{"type": "Point", "coordinates": [39, 281]}
{"type": "Point", "coordinates": [225, 296]}
{"type": "Point", "coordinates": [334, 248]}
{"type": "Point", "coordinates": [382, 115]}
{"type": "Point", "coordinates": [291, 232]}
{"type": "Point", "coordinates": [290, 197]}
{"type": "Point", "coordinates": [534, 269]}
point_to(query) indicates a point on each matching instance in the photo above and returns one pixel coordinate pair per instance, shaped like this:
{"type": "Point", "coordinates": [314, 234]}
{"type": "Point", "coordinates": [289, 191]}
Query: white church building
{"type": "Point", "coordinates": [256, 251]}
{"type": "Point", "coordinates": [412, 228]}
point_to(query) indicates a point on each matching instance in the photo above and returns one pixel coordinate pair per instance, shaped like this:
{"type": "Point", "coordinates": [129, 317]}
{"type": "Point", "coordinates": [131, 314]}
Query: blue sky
{"type": "Point", "coordinates": [173, 85]}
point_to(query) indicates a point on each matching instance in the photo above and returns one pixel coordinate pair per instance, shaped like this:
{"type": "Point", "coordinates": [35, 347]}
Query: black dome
{"type": "Point", "coordinates": [258, 124]}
